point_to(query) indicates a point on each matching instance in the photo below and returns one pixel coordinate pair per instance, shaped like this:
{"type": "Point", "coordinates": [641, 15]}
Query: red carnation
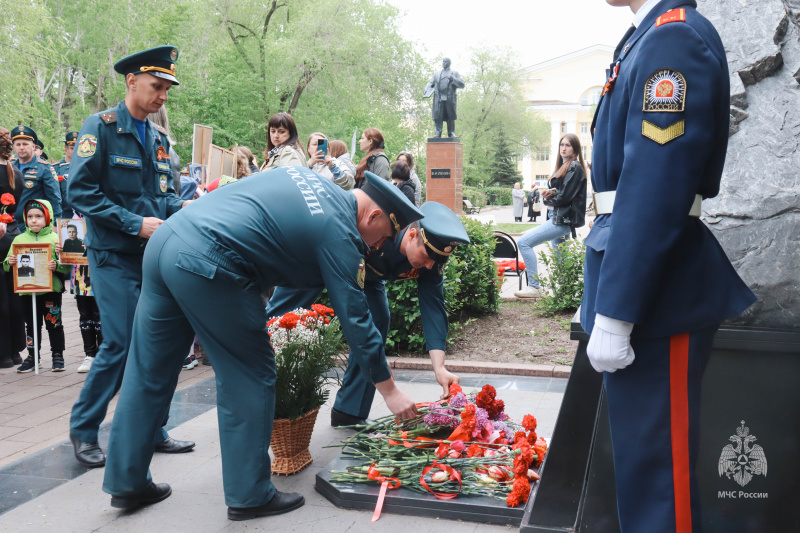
{"type": "Point", "coordinates": [289, 321]}
{"type": "Point", "coordinates": [322, 310]}
{"type": "Point", "coordinates": [7, 199]}
{"type": "Point", "coordinates": [6, 218]}
{"type": "Point", "coordinates": [529, 422]}
{"type": "Point", "coordinates": [519, 493]}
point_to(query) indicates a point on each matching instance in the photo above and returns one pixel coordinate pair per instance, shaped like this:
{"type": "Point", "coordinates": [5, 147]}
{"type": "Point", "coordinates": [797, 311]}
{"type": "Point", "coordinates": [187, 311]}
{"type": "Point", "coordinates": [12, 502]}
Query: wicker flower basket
{"type": "Point", "coordinates": [290, 440]}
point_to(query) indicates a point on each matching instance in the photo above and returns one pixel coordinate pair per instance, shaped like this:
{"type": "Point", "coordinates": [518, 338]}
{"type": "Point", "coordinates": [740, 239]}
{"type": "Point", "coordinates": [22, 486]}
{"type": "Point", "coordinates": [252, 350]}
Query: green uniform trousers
{"type": "Point", "coordinates": [184, 292]}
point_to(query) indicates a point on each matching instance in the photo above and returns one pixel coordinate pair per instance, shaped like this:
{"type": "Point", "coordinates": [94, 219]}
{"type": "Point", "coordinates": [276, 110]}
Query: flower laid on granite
{"type": "Point", "coordinates": [307, 344]}
{"type": "Point", "coordinates": [463, 445]}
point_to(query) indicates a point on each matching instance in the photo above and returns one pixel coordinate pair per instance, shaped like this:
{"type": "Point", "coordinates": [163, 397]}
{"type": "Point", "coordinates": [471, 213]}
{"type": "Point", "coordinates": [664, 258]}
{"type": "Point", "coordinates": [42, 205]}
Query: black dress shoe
{"type": "Point", "coordinates": [88, 453]}
{"type": "Point", "coordinates": [152, 494]}
{"type": "Point", "coordinates": [282, 502]}
{"type": "Point", "coordinates": [16, 358]}
{"type": "Point", "coordinates": [339, 418]}
{"type": "Point", "coordinates": [171, 445]}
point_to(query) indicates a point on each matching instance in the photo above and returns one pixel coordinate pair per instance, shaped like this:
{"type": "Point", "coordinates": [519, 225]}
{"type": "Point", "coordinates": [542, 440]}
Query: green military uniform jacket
{"type": "Point", "coordinates": [116, 181]}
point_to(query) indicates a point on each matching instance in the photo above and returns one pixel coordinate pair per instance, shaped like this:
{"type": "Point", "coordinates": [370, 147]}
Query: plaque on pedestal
{"type": "Point", "coordinates": [444, 163]}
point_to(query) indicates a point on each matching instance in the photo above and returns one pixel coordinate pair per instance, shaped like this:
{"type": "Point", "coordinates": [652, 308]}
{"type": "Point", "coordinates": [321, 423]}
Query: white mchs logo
{"type": "Point", "coordinates": [742, 460]}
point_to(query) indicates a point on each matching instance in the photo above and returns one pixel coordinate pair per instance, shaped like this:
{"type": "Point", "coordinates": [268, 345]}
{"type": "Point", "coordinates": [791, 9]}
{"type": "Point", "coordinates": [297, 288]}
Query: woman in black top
{"type": "Point", "coordinates": [566, 209]}
{"type": "Point", "coordinates": [12, 322]}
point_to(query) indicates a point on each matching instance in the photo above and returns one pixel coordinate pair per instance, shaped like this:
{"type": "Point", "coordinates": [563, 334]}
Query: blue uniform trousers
{"type": "Point", "coordinates": [117, 282]}
{"type": "Point", "coordinates": [654, 415]}
{"type": "Point", "coordinates": [357, 391]}
{"type": "Point", "coordinates": [184, 293]}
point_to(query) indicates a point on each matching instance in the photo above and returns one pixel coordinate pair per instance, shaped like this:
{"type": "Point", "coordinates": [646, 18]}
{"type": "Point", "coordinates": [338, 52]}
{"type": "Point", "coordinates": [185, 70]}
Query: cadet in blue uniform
{"type": "Point", "coordinates": [418, 253]}
{"type": "Point", "coordinates": [62, 171]}
{"type": "Point", "coordinates": [204, 272]}
{"type": "Point", "coordinates": [657, 283]}
{"type": "Point", "coordinates": [120, 181]}
{"type": "Point", "coordinates": [38, 177]}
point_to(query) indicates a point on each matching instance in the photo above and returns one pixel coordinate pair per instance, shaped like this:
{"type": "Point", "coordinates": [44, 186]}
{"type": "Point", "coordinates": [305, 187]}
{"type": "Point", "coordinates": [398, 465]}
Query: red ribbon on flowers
{"type": "Point", "coordinates": [386, 483]}
{"type": "Point", "coordinates": [454, 474]}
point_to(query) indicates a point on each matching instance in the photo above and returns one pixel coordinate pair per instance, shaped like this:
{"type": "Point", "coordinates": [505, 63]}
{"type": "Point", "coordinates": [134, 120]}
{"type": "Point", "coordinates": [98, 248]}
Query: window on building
{"type": "Point", "coordinates": [563, 127]}
{"type": "Point", "coordinates": [584, 127]}
{"type": "Point", "coordinates": [587, 150]}
{"type": "Point", "coordinates": [591, 96]}
{"type": "Point", "coordinates": [541, 178]}
{"type": "Point", "coordinates": [543, 156]}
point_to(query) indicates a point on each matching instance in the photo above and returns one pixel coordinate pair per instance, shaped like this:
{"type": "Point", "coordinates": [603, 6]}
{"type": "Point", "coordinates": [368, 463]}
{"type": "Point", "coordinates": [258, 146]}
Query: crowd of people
{"type": "Point", "coordinates": [317, 215]}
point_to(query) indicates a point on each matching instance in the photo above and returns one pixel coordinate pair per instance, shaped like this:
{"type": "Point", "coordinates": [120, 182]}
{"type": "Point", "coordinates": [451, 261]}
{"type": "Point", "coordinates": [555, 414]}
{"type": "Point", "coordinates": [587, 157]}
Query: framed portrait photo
{"type": "Point", "coordinates": [31, 273]}
{"type": "Point", "coordinates": [71, 233]}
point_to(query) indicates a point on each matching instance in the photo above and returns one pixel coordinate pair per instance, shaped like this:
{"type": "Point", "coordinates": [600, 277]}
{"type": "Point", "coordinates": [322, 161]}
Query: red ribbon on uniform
{"type": "Point", "coordinates": [386, 483]}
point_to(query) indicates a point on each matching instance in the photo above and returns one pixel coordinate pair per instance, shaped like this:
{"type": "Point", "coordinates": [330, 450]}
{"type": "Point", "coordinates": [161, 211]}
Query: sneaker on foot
{"type": "Point", "coordinates": [58, 362]}
{"type": "Point", "coordinates": [529, 292]}
{"type": "Point", "coordinates": [86, 365]}
{"type": "Point", "coordinates": [27, 365]}
{"type": "Point", "coordinates": [190, 362]}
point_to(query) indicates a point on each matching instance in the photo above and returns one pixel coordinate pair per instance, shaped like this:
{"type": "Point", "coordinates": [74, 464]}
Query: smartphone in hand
{"type": "Point", "coordinates": [322, 144]}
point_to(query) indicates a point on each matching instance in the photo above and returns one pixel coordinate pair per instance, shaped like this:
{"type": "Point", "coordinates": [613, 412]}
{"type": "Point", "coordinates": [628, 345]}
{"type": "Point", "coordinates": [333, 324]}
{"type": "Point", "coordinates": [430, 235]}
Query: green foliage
{"type": "Point", "coordinates": [504, 169]}
{"type": "Point", "coordinates": [476, 196]}
{"type": "Point", "coordinates": [563, 282]}
{"type": "Point", "coordinates": [492, 99]}
{"type": "Point", "coordinates": [303, 372]}
{"type": "Point", "coordinates": [470, 287]}
{"type": "Point", "coordinates": [503, 195]}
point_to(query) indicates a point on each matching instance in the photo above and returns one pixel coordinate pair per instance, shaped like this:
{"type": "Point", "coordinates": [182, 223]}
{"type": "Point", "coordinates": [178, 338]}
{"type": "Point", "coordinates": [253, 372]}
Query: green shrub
{"type": "Point", "coordinates": [475, 196]}
{"type": "Point", "coordinates": [503, 195]}
{"type": "Point", "coordinates": [563, 282]}
{"type": "Point", "coordinates": [470, 287]}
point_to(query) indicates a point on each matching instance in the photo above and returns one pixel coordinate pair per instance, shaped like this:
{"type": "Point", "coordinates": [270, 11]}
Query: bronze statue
{"type": "Point", "coordinates": [443, 87]}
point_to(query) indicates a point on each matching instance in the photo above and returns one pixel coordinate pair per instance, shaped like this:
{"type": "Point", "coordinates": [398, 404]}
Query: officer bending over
{"type": "Point", "coordinates": [204, 272]}
{"type": "Point", "coordinates": [418, 253]}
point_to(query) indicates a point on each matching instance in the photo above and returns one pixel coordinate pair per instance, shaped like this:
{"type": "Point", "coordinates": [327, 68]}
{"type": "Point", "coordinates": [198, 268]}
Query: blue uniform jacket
{"type": "Point", "coordinates": [660, 138]}
{"type": "Point", "coordinates": [294, 229]}
{"type": "Point", "coordinates": [39, 181]}
{"type": "Point", "coordinates": [115, 181]}
{"type": "Point", "coordinates": [387, 263]}
{"type": "Point", "coordinates": [62, 171]}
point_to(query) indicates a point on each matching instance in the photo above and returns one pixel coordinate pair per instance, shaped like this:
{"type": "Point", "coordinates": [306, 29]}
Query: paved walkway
{"type": "Point", "coordinates": [34, 409]}
{"type": "Point", "coordinates": [51, 492]}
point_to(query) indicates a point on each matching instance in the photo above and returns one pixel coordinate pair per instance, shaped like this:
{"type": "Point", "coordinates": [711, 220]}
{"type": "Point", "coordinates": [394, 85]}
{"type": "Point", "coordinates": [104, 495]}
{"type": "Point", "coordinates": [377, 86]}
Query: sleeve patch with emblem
{"type": "Point", "coordinates": [663, 135]}
{"type": "Point", "coordinates": [87, 146]}
{"type": "Point", "coordinates": [665, 92]}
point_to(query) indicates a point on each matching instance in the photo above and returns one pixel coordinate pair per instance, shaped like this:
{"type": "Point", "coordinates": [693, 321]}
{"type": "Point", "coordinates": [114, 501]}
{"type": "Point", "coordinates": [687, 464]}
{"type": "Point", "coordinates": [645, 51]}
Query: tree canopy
{"type": "Point", "coordinates": [337, 66]}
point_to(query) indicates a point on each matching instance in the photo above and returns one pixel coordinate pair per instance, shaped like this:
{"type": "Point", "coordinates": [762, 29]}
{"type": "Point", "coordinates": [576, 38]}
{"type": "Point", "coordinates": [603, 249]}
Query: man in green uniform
{"type": "Point", "coordinates": [120, 181]}
{"type": "Point", "coordinates": [39, 178]}
{"type": "Point", "coordinates": [62, 170]}
{"type": "Point", "coordinates": [418, 253]}
{"type": "Point", "coordinates": [204, 272]}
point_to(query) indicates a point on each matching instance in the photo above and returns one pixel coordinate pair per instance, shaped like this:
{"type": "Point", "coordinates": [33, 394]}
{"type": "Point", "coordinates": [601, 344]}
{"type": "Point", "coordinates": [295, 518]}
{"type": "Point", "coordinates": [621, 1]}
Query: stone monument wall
{"type": "Point", "coordinates": [756, 216]}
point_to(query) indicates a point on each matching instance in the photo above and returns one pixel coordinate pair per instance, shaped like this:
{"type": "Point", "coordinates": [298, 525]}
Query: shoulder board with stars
{"type": "Point", "coordinates": [673, 15]}
{"type": "Point", "coordinates": [109, 117]}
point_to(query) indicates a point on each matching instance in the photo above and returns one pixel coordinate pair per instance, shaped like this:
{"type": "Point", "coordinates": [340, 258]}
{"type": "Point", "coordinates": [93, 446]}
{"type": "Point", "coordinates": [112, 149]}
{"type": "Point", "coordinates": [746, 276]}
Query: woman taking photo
{"type": "Point", "coordinates": [565, 199]}
{"type": "Point", "coordinates": [375, 160]}
{"type": "Point", "coordinates": [282, 146]}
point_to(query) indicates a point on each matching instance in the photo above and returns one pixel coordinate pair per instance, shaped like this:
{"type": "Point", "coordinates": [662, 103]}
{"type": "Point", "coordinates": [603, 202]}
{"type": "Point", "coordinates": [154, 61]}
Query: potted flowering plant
{"type": "Point", "coordinates": [307, 344]}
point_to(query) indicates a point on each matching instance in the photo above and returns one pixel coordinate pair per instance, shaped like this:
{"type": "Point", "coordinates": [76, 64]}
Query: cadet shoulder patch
{"type": "Point", "coordinates": [362, 273]}
{"type": "Point", "coordinates": [663, 135]}
{"type": "Point", "coordinates": [665, 92]}
{"type": "Point", "coordinates": [87, 145]}
{"type": "Point", "coordinates": [673, 15]}
{"type": "Point", "coordinates": [109, 117]}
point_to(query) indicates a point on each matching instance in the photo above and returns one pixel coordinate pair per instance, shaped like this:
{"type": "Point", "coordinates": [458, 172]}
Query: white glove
{"type": "Point", "coordinates": [609, 347]}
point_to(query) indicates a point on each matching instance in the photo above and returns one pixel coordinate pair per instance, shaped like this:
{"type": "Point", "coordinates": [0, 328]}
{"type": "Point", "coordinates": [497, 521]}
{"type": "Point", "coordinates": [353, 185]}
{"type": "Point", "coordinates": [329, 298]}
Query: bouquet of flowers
{"type": "Point", "coordinates": [307, 344]}
{"type": "Point", "coordinates": [463, 445]}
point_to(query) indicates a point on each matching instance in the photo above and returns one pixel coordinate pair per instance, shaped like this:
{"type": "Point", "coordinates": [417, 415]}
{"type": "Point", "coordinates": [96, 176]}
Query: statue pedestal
{"type": "Point", "coordinates": [445, 157]}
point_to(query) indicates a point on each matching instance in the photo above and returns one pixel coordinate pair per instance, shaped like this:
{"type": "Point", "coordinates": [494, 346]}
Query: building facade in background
{"type": "Point", "coordinates": [565, 91]}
